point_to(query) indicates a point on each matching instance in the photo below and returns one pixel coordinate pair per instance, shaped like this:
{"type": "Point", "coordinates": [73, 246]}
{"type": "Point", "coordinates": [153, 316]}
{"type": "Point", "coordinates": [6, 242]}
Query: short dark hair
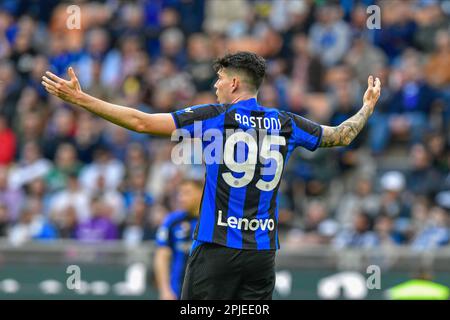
{"type": "Point", "coordinates": [198, 183]}
{"type": "Point", "coordinates": [253, 65]}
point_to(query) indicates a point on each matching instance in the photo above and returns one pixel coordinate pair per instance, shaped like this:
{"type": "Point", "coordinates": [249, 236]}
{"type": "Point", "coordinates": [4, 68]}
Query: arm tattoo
{"type": "Point", "coordinates": [344, 134]}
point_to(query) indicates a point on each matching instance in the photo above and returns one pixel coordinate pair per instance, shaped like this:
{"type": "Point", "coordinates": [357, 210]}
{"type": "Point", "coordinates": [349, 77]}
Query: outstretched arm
{"type": "Point", "coordinates": [70, 91]}
{"type": "Point", "coordinates": [344, 134]}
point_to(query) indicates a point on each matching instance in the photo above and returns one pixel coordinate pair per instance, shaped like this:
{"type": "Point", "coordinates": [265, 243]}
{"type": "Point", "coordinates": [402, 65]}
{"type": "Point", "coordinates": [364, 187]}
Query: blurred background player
{"type": "Point", "coordinates": [174, 240]}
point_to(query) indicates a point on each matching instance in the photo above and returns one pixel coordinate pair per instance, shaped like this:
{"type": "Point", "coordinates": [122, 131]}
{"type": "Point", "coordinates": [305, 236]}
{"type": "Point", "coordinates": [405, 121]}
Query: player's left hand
{"type": "Point", "coordinates": [167, 295]}
{"type": "Point", "coordinates": [373, 92]}
{"type": "Point", "coordinates": [67, 90]}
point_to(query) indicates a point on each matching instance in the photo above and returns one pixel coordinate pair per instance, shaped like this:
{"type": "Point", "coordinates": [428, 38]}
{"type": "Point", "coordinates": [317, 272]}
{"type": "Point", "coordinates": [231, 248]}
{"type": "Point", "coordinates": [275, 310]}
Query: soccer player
{"type": "Point", "coordinates": [236, 238]}
{"type": "Point", "coordinates": [174, 240]}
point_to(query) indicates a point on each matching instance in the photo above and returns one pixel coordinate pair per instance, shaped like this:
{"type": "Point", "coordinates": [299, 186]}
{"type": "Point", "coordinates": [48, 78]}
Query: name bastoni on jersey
{"type": "Point", "coordinates": [251, 121]}
{"type": "Point", "coordinates": [258, 122]}
{"type": "Point", "coordinates": [245, 224]}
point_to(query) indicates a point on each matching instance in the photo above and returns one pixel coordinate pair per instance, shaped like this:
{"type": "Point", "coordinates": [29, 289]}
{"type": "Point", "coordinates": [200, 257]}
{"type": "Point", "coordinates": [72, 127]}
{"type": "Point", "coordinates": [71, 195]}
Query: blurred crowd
{"type": "Point", "coordinates": [66, 174]}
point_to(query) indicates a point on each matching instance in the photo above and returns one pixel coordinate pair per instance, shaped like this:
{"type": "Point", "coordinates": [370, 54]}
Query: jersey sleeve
{"type": "Point", "coordinates": [186, 118]}
{"type": "Point", "coordinates": [305, 133]}
{"type": "Point", "coordinates": [163, 238]}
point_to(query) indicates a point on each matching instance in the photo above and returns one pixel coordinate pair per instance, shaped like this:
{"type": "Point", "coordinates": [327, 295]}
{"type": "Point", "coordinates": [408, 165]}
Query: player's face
{"type": "Point", "coordinates": [189, 196]}
{"type": "Point", "coordinates": [223, 86]}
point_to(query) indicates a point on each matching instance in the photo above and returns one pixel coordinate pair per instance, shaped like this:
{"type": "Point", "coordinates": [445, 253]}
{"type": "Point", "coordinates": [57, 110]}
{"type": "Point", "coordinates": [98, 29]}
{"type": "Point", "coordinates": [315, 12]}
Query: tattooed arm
{"type": "Point", "coordinates": [344, 134]}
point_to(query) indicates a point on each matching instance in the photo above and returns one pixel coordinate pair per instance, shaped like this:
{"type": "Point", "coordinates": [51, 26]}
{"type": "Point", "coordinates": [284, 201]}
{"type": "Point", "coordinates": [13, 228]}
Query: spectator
{"type": "Point", "coordinates": [287, 15]}
{"type": "Point", "coordinates": [171, 86]}
{"type": "Point", "coordinates": [364, 58]}
{"type": "Point", "coordinates": [398, 29]}
{"type": "Point", "coordinates": [67, 223]}
{"type": "Point", "coordinates": [437, 147]}
{"type": "Point", "coordinates": [111, 199]}
{"type": "Point", "coordinates": [387, 236]}
{"type": "Point", "coordinates": [379, 121]}
{"type": "Point", "coordinates": [99, 227]}
{"type": "Point", "coordinates": [4, 220]}
{"type": "Point", "coordinates": [429, 18]}
{"type": "Point", "coordinates": [72, 196]}
{"type": "Point", "coordinates": [30, 125]}
{"type": "Point", "coordinates": [343, 107]}
{"type": "Point", "coordinates": [163, 173]}
{"type": "Point", "coordinates": [200, 56]}
{"type": "Point", "coordinates": [136, 189]}
{"type": "Point", "coordinates": [219, 14]}
{"type": "Point", "coordinates": [409, 107]}
{"type": "Point", "coordinates": [103, 165]}
{"type": "Point", "coordinates": [172, 46]}
{"type": "Point", "coordinates": [61, 130]}
{"type": "Point", "coordinates": [5, 45]}
{"type": "Point", "coordinates": [32, 225]}
{"type": "Point", "coordinates": [59, 57]}
{"type": "Point", "coordinates": [437, 69]}
{"type": "Point", "coordinates": [443, 199]}
{"type": "Point", "coordinates": [136, 159]}
{"type": "Point", "coordinates": [23, 53]}
{"type": "Point", "coordinates": [39, 66]}
{"type": "Point", "coordinates": [31, 166]}
{"type": "Point", "coordinates": [422, 178]}
{"type": "Point", "coordinates": [116, 139]}
{"type": "Point", "coordinates": [7, 141]}
{"type": "Point", "coordinates": [358, 236]}
{"type": "Point", "coordinates": [97, 48]}
{"type": "Point", "coordinates": [10, 198]}
{"type": "Point", "coordinates": [137, 227]}
{"type": "Point", "coordinates": [318, 228]}
{"type": "Point", "coordinates": [393, 202]}
{"type": "Point", "coordinates": [87, 137]}
{"type": "Point", "coordinates": [38, 189]}
{"type": "Point", "coordinates": [436, 233]}
{"type": "Point", "coordinates": [66, 163]}
{"type": "Point", "coordinates": [10, 86]}
{"type": "Point", "coordinates": [306, 68]}
{"type": "Point", "coordinates": [362, 197]}
{"type": "Point", "coordinates": [330, 35]}
{"type": "Point", "coordinates": [419, 214]}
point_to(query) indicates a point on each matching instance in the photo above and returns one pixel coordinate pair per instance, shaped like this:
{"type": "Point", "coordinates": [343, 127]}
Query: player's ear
{"type": "Point", "coordinates": [235, 84]}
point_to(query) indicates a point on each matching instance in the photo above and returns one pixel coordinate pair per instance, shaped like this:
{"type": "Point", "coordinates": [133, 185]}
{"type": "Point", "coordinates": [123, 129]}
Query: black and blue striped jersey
{"type": "Point", "coordinates": [239, 207]}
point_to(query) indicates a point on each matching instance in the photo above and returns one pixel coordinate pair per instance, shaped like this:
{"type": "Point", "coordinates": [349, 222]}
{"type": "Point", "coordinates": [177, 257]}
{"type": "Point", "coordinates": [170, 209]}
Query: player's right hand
{"type": "Point", "coordinates": [67, 90]}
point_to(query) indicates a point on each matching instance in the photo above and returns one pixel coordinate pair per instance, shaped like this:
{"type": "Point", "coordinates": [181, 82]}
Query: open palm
{"type": "Point", "coordinates": [373, 91]}
{"type": "Point", "coordinates": [67, 90]}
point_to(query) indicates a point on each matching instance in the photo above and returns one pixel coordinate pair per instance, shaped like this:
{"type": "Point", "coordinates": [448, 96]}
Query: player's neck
{"type": "Point", "coordinates": [243, 96]}
{"type": "Point", "coordinates": [193, 213]}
